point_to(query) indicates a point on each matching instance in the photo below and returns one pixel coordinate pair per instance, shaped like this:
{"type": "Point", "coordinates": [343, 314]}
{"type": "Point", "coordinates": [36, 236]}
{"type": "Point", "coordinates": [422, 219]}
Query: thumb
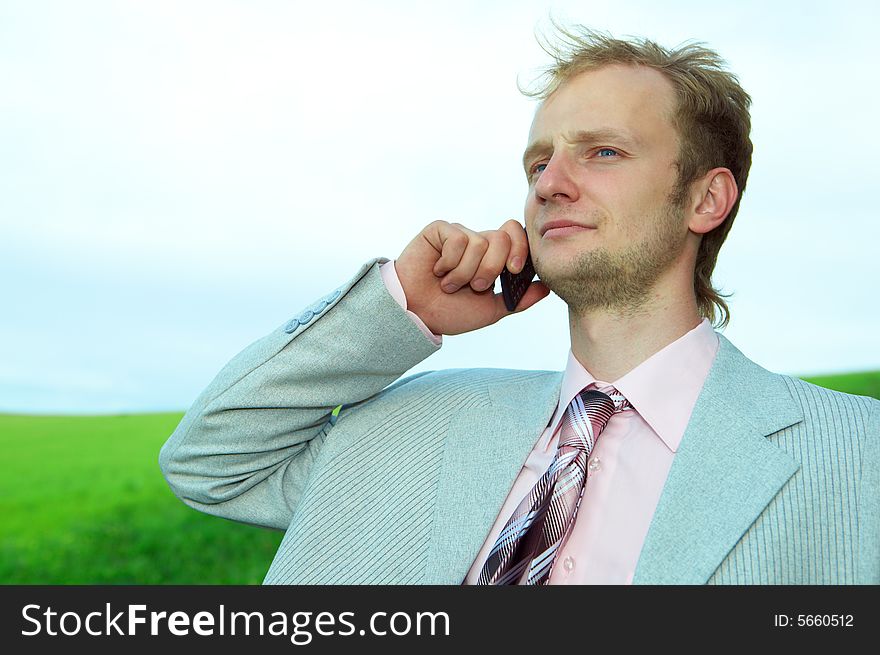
{"type": "Point", "coordinates": [536, 292]}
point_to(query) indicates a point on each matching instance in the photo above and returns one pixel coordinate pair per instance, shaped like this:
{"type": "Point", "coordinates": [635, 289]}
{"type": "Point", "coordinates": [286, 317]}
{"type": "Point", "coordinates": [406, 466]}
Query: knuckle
{"type": "Point", "coordinates": [459, 238]}
{"type": "Point", "coordinates": [481, 242]}
{"type": "Point", "coordinates": [503, 238]}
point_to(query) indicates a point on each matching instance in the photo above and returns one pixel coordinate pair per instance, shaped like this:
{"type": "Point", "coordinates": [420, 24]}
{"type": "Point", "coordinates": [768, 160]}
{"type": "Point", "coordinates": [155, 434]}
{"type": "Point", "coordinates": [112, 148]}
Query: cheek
{"type": "Point", "coordinates": [631, 191]}
{"type": "Point", "coordinates": [611, 196]}
{"type": "Point", "coordinates": [530, 207]}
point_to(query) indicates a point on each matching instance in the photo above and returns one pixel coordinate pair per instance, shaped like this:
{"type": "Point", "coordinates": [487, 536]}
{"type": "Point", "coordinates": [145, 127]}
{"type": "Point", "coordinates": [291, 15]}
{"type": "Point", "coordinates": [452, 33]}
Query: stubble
{"type": "Point", "coordinates": [619, 281]}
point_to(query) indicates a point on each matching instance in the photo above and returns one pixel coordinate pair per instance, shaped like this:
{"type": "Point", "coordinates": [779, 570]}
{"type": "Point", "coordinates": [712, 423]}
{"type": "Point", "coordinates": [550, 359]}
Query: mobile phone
{"type": "Point", "coordinates": [514, 285]}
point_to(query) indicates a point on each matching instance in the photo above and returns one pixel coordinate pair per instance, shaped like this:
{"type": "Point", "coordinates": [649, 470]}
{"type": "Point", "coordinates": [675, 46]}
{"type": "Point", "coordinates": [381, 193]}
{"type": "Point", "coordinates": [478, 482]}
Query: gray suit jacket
{"type": "Point", "coordinates": [776, 481]}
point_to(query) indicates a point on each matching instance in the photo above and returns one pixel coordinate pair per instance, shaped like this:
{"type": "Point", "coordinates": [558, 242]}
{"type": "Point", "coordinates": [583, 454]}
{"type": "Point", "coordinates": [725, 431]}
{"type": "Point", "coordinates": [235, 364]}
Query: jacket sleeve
{"type": "Point", "coordinates": [869, 502]}
{"type": "Point", "coordinates": [244, 449]}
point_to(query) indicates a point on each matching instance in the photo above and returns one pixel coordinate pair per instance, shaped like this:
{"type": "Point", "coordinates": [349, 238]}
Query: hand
{"type": "Point", "coordinates": [448, 275]}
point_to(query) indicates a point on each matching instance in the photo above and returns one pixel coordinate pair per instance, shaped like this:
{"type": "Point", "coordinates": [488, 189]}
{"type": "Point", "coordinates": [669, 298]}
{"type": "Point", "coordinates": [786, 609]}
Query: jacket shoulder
{"type": "Point", "coordinates": [453, 382]}
{"type": "Point", "coordinates": [460, 387]}
{"type": "Point", "coordinates": [819, 402]}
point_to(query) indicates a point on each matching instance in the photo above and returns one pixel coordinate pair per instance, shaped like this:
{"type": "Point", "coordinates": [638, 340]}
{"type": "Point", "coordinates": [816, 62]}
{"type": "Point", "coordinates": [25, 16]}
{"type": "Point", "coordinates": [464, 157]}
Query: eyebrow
{"type": "Point", "coordinates": [605, 134]}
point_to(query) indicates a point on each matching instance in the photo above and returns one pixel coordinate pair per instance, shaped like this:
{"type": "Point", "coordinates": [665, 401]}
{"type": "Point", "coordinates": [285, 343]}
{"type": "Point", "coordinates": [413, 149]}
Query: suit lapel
{"type": "Point", "coordinates": [724, 474]}
{"type": "Point", "coordinates": [485, 450]}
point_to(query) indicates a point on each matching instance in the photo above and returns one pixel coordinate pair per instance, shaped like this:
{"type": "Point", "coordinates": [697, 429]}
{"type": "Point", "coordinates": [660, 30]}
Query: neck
{"type": "Point", "coordinates": [611, 342]}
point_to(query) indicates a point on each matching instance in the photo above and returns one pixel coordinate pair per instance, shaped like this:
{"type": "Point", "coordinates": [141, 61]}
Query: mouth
{"type": "Point", "coordinates": [553, 229]}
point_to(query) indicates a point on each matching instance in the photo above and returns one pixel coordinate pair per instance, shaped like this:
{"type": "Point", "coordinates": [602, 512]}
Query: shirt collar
{"type": "Point", "coordinates": [663, 389]}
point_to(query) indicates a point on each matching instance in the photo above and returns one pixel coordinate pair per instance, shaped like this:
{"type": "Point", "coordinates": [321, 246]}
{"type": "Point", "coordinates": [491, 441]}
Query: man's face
{"type": "Point", "coordinates": [601, 154]}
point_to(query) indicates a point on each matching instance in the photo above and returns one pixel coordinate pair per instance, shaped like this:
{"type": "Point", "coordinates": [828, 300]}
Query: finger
{"type": "Point", "coordinates": [493, 260]}
{"type": "Point", "coordinates": [462, 274]}
{"type": "Point", "coordinates": [451, 241]}
{"type": "Point", "coordinates": [536, 292]}
{"type": "Point", "coordinates": [519, 245]}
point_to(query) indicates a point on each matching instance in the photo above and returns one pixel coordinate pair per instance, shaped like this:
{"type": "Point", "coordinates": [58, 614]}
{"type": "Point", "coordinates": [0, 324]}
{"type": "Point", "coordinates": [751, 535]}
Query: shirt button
{"type": "Point", "coordinates": [595, 465]}
{"type": "Point", "coordinates": [568, 564]}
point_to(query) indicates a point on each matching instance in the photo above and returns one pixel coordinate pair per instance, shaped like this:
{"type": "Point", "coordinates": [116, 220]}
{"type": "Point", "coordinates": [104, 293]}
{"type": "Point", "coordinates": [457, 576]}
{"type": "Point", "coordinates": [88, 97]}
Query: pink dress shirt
{"type": "Point", "coordinates": [628, 465]}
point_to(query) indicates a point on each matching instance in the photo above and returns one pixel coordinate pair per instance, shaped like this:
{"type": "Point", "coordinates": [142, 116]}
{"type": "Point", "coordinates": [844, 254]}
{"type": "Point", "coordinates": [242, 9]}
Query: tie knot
{"type": "Point", "coordinates": [588, 414]}
{"type": "Point", "coordinates": [619, 401]}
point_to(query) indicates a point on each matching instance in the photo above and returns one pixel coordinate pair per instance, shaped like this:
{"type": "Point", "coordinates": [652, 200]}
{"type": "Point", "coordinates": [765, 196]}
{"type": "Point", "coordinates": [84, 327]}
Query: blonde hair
{"type": "Point", "coordinates": [711, 116]}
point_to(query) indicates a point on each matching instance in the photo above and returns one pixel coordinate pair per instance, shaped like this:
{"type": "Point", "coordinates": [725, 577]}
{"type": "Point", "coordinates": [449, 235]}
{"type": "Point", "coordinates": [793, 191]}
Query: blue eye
{"type": "Point", "coordinates": [611, 150]}
{"type": "Point", "coordinates": [536, 170]}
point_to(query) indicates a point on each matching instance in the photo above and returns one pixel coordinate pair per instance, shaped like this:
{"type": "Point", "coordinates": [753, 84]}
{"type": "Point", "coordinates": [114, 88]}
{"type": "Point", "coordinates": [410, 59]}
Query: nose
{"type": "Point", "coordinates": [555, 183]}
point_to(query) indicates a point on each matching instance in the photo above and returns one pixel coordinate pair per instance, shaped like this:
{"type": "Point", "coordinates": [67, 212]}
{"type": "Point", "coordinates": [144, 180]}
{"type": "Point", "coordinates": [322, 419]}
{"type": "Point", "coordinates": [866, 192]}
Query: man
{"type": "Point", "coordinates": [660, 455]}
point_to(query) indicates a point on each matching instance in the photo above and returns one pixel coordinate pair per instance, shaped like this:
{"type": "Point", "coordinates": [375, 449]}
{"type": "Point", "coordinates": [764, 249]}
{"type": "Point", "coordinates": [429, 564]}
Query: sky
{"type": "Point", "coordinates": [179, 178]}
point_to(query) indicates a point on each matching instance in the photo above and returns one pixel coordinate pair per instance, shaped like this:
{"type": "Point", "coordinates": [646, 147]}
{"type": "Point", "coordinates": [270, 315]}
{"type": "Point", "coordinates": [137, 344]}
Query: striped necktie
{"type": "Point", "coordinates": [526, 548]}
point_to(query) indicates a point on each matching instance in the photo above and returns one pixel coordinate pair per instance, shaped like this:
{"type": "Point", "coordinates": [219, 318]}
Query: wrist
{"type": "Point", "coordinates": [395, 288]}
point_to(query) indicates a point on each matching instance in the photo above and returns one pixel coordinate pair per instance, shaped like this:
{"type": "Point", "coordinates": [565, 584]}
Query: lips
{"type": "Point", "coordinates": [558, 225]}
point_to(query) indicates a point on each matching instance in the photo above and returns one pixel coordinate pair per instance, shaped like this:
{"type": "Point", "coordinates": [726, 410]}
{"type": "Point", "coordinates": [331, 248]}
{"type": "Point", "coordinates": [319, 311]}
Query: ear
{"type": "Point", "coordinates": [714, 195]}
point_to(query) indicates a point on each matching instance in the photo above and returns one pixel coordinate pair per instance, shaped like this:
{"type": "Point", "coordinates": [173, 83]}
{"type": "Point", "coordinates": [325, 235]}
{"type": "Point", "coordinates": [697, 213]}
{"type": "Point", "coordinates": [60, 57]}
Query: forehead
{"type": "Point", "coordinates": [631, 99]}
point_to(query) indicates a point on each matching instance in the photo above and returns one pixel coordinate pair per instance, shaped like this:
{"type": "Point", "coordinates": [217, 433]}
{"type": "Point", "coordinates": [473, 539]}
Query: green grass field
{"type": "Point", "coordinates": [861, 384]}
{"type": "Point", "coordinates": [83, 501]}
